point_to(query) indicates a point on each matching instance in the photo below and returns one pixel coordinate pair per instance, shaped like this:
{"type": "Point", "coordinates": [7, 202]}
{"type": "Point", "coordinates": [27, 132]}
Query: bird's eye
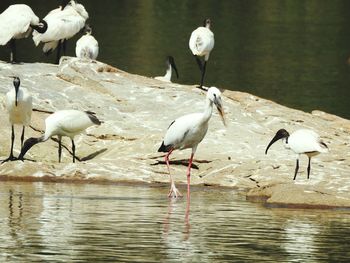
{"type": "Point", "coordinates": [214, 95]}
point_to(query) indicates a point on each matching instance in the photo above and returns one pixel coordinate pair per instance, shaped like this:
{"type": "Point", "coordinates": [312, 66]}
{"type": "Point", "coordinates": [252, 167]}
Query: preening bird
{"type": "Point", "coordinates": [201, 44]}
{"type": "Point", "coordinates": [87, 45]}
{"type": "Point", "coordinates": [187, 132]}
{"type": "Point", "coordinates": [303, 141]}
{"type": "Point", "coordinates": [17, 22]}
{"type": "Point", "coordinates": [63, 23]}
{"type": "Point", "coordinates": [63, 123]}
{"type": "Point", "coordinates": [170, 65]}
{"type": "Point", "coordinates": [19, 107]}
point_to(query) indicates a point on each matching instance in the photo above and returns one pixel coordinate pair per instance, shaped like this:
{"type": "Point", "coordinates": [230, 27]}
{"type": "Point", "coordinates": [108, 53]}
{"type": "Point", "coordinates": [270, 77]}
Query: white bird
{"type": "Point", "coordinates": [17, 22]}
{"type": "Point", "coordinates": [187, 132]}
{"type": "Point", "coordinates": [303, 141]}
{"type": "Point", "coordinates": [19, 107]}
{"type": "Point", "coordinates": [87, 45]}
{"type": "Point", "coordinates": [170, 65]}
{"type": "Point", "coordinates": [62, 25]}
{"type": "Point", "coordinates": [63, 123]}
{"type": "Point", "coordinates": [201, 44]}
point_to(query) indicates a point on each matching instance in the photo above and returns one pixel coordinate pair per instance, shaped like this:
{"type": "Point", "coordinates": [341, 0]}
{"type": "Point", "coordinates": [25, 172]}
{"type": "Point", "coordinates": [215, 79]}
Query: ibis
{"type": "Point", "coordinates": [87, 45]}
{"type": "Point", "coordinates": [170, 65]}
{"type": "Point", "coordinates": [63, 123]}
{"type": "Point", "coordinates": [201, 44]}
{"type": "Point", "coordinates": [187, 132]}
{"type": "Point", "coordinates": [302, 141]}
{"type": "Point", "coordinates": [19, 107]}
{"type": "Point", "coordinates": [17, 22]}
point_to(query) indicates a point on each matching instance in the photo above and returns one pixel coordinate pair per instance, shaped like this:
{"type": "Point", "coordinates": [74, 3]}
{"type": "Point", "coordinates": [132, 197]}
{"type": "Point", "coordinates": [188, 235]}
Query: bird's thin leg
{"type": "Point", "coordinates": [22, 137]}
{"type": "Point", "coordinates": [199, 62]}
{"type": "Point", "coordinates": [203, 73]}
{"type": "Point", "coordinates": [309, 168]}
{"type": "Point", "coordinates": [59, 148]}
{"type": "Point", "coordinates": [296, 169]}
{"type": "Point", "coordinates": [173, 192]}
{"type": "Point", "coordinates": [13, 55]}
{"type": "Point", "coordinates": [189, 175]}
{"type": "Point", "coordinates": [73, 150]}
{"type": "Point", "coordinates": [58, 52]}
{"type": "Point", "coordinates": [11, 157]}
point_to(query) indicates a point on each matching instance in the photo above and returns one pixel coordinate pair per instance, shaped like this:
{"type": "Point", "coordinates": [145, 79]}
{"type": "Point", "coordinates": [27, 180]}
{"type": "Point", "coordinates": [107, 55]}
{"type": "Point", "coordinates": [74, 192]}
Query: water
{"type": "Point", "coordinates": [49, 222]}
{"type": "Point", "coordinates": [293, 52]}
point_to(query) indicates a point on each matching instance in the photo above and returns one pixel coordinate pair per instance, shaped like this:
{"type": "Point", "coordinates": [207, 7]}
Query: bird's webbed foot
{"type": "Point", "coordinates": [9, 159]}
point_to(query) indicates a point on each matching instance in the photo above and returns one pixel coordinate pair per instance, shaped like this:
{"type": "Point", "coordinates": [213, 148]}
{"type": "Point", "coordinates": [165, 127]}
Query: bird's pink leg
{"type": "Point", "coordinates": [173, 192]}
{"type": "Point", "coordinates": [189, 175]}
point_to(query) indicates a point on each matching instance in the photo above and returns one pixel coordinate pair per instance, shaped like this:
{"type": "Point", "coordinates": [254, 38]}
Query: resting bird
{"type": "Point", "coordinates": [17, 22]}
{"type": "Point", "coordinates": [62, 25]}
{"type": "Point", "coordinates": [303, 141]}
{"type": "Point", "coordinates": [87, 45]}
{"type": "Point", "coordinates": [63, 123]}
{"type": "Point", "coordinates": [19, 107]}
{"type": "Point", "coordinates": [187, 132]}
{"type": "Point", "coordinates": [201, 44]}
{"type": "Point", "coordinates": [170, 65]}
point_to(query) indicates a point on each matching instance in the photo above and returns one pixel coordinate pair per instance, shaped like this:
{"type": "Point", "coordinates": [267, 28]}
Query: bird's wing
{"type": "Point", "coordinates": [305, 140]}
{"type": "Point", "coordinates": [201, 41]}
{"type": "Point", "coordinates": [87, 46]}
{"type": "Point", "coordinates": [15, 20]}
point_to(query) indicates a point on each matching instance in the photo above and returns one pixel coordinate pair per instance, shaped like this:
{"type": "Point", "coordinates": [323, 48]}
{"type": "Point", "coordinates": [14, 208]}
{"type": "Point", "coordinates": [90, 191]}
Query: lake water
{"type": "Point", "coordinates": [293, 52]}
{"type": "Point", "coordinates": [50, 222]}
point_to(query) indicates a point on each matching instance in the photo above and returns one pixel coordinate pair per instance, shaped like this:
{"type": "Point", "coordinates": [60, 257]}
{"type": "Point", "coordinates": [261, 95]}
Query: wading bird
{"type": "Point", "coordinates": [63, 123]}
{"type": "Point", "coordinates": [17, 22]}
{"type": "Point", "coordinates": [201, 44]}
{"type": "Point", "coordinates": [19, 107]}
{"type": "Point", "coordinates": [170, 65]}
{"type": "Point", "coordinates": [187, 132]}
{"type": "Point", "coordinates": [303, 141]}
{"type": "Point", "coordinates": [63, 23]}
{"type": "Point", "coordinates": [87, 45]}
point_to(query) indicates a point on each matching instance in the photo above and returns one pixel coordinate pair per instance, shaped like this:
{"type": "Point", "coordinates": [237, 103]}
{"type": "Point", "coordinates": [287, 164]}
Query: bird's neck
{"type": "Point", "coordinates": [208, 110]}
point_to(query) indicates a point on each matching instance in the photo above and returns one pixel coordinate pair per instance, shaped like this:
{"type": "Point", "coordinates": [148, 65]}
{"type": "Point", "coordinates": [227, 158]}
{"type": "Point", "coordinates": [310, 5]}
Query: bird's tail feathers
{"type": "Point", "coordinates": [50, 46]}
{"type": "Point", "coordinates": [323, 147]}
{"type": "Point", "coordinates": [93, 117]}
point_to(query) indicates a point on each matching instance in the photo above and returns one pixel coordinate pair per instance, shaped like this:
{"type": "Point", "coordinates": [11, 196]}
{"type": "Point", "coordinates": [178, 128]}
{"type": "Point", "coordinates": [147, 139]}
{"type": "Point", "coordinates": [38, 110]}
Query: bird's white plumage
{"type": "Point", "coordinates": [66, 123]}
{"type": "Point", "coordinates": [202, 42]}
{"type": "Point", "coordinates": [87, 47]}
{"type": "Point", "coordinates": [167, 76]}
{"type": "Point", "coordinates": [22, 113]}
{"type": "Point", "coordinates": [62, 24]}
{"type": "Point", "coordinates": [305, 141]}
{"type": "Point", "coordinates": [15, 22]}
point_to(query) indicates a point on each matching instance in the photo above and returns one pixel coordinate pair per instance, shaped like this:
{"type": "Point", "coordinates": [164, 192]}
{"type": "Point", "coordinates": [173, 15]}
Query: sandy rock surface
{"type": "Point", "coordinates": [136, 112]}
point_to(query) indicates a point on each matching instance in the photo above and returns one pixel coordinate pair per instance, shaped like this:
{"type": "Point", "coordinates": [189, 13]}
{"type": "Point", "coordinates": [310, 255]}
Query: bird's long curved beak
{"type": "Point", "coordinates": [218, 104]}
{"type": "Point", "coordinates": [274, 139]}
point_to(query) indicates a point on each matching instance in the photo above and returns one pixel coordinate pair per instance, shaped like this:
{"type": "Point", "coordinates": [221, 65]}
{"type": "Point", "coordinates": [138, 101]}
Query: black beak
{"type": "Point", "coordinates": [282, 133]}
{"type": "Point", "coordinates": [16, 83]}
{"type": "Point", "coordinates": [29, 143]}
{"type": "Point", "coordinates": [172, 64]}
{"type": "Point", "coordinates": [218, 104]}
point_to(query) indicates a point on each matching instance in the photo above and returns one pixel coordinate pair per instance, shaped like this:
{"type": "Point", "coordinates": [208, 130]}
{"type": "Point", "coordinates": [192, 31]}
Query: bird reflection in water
{"type": "Point", "coordinates": [172, 206]}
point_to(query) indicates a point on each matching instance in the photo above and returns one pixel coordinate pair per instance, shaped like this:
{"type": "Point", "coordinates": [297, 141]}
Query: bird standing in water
{"type": "Point", "coordinates": [187, 132]}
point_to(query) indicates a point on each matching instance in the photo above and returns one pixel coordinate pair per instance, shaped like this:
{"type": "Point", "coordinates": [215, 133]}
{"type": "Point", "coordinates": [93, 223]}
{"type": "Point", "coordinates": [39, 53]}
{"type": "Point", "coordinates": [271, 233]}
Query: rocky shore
{"type": "Point", "coordinates": [136, 112]}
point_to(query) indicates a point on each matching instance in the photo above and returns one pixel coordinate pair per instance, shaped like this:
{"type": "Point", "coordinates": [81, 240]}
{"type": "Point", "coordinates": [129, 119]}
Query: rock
{"type": "Point", "coordinates": [136, 112]}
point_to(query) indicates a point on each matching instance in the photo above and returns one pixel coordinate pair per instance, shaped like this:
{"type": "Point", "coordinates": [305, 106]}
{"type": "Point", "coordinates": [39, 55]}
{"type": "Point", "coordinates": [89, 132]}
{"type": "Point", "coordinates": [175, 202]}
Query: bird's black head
{"type": "Point", "coordinates": [64, 3]}
{"type": "Point", "coordinates": [170, 61]}
{"type": "Point", "coordinates": [87, 29]}
{"type": "Point", "coordinates": [41, 27]}
{"type": "Point", "coordinates": [16, 84]}
{"type": "Point", "coordinates": [280, 134]}
{"type": "Point", "coordinates": [207, 22]}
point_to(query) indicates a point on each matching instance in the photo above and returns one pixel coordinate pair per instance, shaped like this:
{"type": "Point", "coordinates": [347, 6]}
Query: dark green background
{"type": "Point", "coordinates": [291, 51]}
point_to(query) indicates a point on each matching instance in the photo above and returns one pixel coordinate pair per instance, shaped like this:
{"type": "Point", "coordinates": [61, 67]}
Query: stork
{"type": "Point", "coordinates": [63, 123]}
{"type": "Point", "coordinates": [303, 141]}
{"type": "Point", "coordinates": [201, 44]}
{"type": "Point", "coordinates": [187, 132]}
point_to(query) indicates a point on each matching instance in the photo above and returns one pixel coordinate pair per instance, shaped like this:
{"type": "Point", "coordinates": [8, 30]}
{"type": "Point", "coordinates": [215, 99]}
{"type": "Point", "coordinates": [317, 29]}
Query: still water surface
{"type": "Point", "coordinates": [293, 52]}
{"type": "Point", "coordinates": [48, 222]}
